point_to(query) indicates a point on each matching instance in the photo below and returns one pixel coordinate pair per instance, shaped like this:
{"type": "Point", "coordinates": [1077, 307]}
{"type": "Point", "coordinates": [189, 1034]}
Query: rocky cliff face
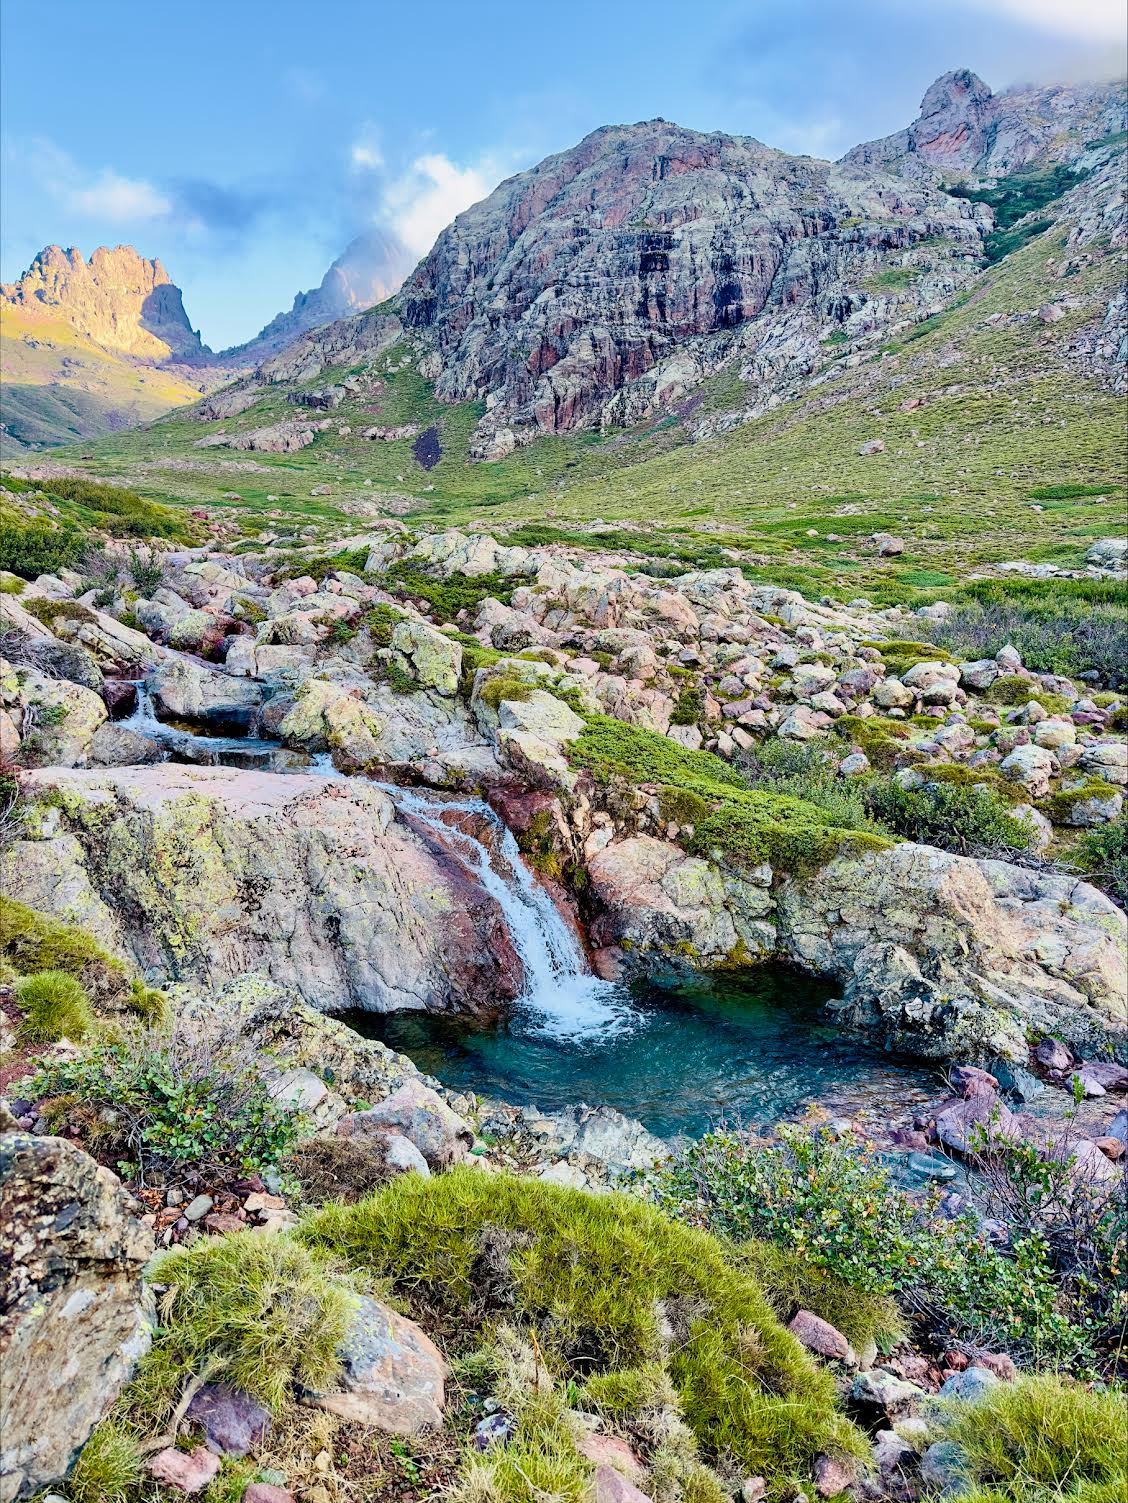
{"type": "Point", "coordinates": [612, 277]}
{"type": "Point", "coordinates": [118, 299]}
{"type": "Point", "coordinates": [367, 272]}
{"type": "Point", "coordinates": [964, 130]}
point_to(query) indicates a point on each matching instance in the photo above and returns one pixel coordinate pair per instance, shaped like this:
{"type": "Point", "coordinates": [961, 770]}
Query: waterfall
{"type": "Point", "coordinates": [560, 996]}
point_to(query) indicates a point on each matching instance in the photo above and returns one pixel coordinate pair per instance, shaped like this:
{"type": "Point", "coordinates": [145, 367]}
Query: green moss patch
{"type": "Point", "coordinates": [591, 1277]}
{"type": "Point", "coordinates": [739, 824]}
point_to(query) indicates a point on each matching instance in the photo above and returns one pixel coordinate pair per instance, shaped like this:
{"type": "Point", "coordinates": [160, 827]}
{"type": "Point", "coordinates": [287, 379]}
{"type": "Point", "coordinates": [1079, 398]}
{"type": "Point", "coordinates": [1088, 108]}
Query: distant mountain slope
{"type": "Point", "coordinates": [613, 277]}
{"type": "Point", "coordinates": [367, 272]}
{"type": "Point", "coordinates": [118, 299]}
{"type": "Point", "coordinates": [964, 130]}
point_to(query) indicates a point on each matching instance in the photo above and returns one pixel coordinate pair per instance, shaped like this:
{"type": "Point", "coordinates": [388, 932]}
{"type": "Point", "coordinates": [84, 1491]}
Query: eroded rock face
{"type": "Point", "coordinates": [610, 278]}
{"type": "Point", "coordinates": [73, 1323]}
{"type": "Point", "coordinates": [206, 873]}
{"type": "Point", "coordinates": [938, 955]}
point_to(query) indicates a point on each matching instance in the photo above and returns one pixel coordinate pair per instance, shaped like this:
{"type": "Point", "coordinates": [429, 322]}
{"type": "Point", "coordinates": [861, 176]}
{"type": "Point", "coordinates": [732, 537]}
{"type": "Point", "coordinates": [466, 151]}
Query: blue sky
{"type": "Point", "coordinates": [246, 142]}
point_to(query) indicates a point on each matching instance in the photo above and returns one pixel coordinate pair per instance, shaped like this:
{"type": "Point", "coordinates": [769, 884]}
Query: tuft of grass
{"type": "Point", "coordinates": [590, 1278]}
{"type": "Point", "coordinates": [109, 1467]}
{"type": "Point", "coordinates": [31, 941]}
{"type": "Point", "coordinates": [262, 1313]}
{"type": "Point", "coordinates": [793, 1282]}
{"type": "Point", "coordinates": [54, 1006]}
{"type": "Point", "coordinates": [1045, 1438]}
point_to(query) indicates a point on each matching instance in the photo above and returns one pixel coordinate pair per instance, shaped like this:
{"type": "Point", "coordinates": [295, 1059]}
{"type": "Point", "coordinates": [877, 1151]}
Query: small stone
{"type": "Point", "coordinates": [752, 1489]}
{"type": "Point", "coordinates": [197, 1209]}
{"type": "Point", "coordinates": [498, 1428]}
{"type": "Point", "coordinates": [392, 1375]}
{"type": "Point", "coordinates": [943, 1468]}
{"type": "Point", "coordinates": [267, 1492]}
{"type": "Point", "coordinates": [233, 1422]}
{"type": "Point", "coordinates": [820, 1337]}
{"type": "Point", "coordinates": [1112, 1148]}
{"type": "Point", "coordinates": [219, 1223]}
{"type": "Point", "coordinates": [969, 1385]}
{"type": "Point", "coordinates": [1105, 1073]}
{"type": "Point", "coordinates": [1053, 1054]}
{"type": "Point", "coordinates": [831, 1477]}
{"type": "Point", "coordinates": [610, 1486]}
{"type": "Point", "coordinates": [187, 1471]}
{"type": "Point", "coordinates": [882, 1390]}
{"type": "Point", "coordinates": [890, 1451]}
{"type": "Point", "coordinates": [609, 1450]}
{"type": "Point", "coordinates": [998, 1363]}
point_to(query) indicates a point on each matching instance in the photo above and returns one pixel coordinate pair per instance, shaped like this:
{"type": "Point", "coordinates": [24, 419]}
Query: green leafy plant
{"type": "Point", "coordinates": [966, 818]}
{"type": "Point", "coordinates": [1103, 855]}
{"type": "Point", "coordinates": [830, 1202]}
{"type": "Point", "coordinates": [180, 1098]}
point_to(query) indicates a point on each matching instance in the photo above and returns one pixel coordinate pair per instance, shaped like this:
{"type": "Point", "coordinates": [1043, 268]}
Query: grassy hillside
{"type": "Point", "coordinates": [60, 387]}
{"type": "Point", "coordinates": [1015, 452]}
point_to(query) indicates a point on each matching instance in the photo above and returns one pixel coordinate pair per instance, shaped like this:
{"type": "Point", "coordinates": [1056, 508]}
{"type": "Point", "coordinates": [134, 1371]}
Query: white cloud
{"type": "Point", "coordinates": [365, 157]}
{"type": "Point", "coordinates": [1079, 20]}
{"type": "Point", "coordinates": [117, 199]}
{"type": "Point", "coordinates": [427, 197]}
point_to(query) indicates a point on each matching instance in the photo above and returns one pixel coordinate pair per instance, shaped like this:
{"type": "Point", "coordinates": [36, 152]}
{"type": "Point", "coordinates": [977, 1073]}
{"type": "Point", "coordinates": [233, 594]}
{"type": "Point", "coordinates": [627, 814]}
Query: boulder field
{"type": "Point", "coordinates": [617, 722]}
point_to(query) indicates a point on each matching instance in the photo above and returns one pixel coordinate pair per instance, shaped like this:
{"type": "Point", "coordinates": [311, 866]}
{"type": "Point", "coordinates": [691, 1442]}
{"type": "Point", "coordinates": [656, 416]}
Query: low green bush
{"type": "Point", "coordinates": [447, 597]}
{"type": "Point", "coordinates": [969, 819]}
{"type": "Point", "coordinates": [810, 772]}
{"type": "Point", "coordinates": [54, 1006]}
{"type": "Point", "coordinates": [832, 1203]}
{"type": "Point", "coordinates": [33, 548]}
{"type": "Point", "coordinates": [583, 1277]}
{"type": "Point", "coordinates": [1103, 855]}
{"type": "Point", "coordinates": [1043, 1438]}
{"type": "Point", "coordinates": [181, 1099]}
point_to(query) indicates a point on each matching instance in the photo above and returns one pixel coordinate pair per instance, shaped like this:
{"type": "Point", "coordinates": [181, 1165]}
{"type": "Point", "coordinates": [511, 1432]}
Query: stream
{"type": "Point", "coordinates": [678, 1051]}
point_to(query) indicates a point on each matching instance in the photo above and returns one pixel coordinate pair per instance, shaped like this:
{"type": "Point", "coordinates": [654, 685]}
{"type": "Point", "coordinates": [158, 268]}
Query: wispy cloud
{"type": "Point", "coordinates": [423, 200]}
{"type": "Point", "coordinates": [117, 199]}
{"type": "Point", "coordinates": [1079, 20]}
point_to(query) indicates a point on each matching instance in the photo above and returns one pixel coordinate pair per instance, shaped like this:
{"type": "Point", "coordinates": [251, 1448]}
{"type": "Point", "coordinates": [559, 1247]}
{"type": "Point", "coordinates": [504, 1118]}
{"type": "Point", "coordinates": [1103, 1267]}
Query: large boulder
{"type": "Point", "coordinates": [204, 873]}
{"type": "Point", "coordinates": [185, 690]}
{"type": "Point", "coordinates": [74, 1320]}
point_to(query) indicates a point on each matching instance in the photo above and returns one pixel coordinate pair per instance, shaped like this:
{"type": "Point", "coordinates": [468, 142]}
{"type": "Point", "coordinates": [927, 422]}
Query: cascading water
{"type": "Point", "coordinates": [560, 997]}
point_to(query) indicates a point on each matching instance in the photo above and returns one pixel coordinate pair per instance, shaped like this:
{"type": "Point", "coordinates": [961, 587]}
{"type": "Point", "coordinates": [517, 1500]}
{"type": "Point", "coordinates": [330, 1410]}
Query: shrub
{"type": "Point", "coordinates": [967, 818]}
{"type": "Point", "coordinates": [447, 597]}
{"type": "Point", "coordinates": [109, 1467]}
{"type": "Point", "coordinates": [809, 773]}
{"type": "Point", "coordinates": [1044, 1438]}
{"type": "Point", "coordinates": [54, 1006]}
{"type": "Point", "coordinates": [1103, 855]}
{"type": "Point", "coordinates": [33, 548]}
{"type": "Point", "coordinates": [146, 570]}
{"type": "Point", "coordinates": [831, 1203]}
{"type": "Point", "coordinates": [689, 707]}
{"type": "Point", "coordinates": [261, 1313]}
{"type": "Point", "coordinates": [1078, 627]}
{"type": "Point", "coordinates": [181, 1098]}
{"type": "Point", "coordinates": [582, 1277]}
{"type": "Point", "coordinates": [743, 825]}
{"type": "Point", "coordinates": [343, 1169]}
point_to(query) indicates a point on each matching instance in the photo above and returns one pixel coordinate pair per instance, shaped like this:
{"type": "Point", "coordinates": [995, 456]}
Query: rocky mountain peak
{"type": "Point", "coordinates": [118, 299]}
{"type": "Point", "coordinates": [368, 271]}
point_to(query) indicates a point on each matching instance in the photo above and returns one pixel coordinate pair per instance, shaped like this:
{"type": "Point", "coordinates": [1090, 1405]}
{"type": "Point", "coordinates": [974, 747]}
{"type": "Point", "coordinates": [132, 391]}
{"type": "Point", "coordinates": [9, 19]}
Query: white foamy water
{"type": "Point", "coordinates": [560, 997]}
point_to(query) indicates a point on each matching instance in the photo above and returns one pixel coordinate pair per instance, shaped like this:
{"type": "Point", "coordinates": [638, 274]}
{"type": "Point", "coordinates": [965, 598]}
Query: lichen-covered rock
{"type": "Point", "coordinates": [186, 690]}
{"type": "Point", "coordinates": [59, 718]}
{"type": "Point", "coordinates": [74, 1322]}
{"type": "Point", "coordinates": [334, 717]}
{"type": "Point", "coordinates": [433, 659]}
{"type": "Point", "coordinates": [206, 873]}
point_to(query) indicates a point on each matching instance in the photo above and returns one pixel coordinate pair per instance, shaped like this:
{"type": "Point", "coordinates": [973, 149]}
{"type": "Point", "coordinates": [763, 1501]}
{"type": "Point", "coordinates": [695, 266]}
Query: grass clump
{"type": "Point", "coordinates": [793, 1282]}
{"type": "Point", "coordinates": [54, 1006]}
{"type": "Point", "coordinates": [449, 597]}
{"type": "Point", "coordinates": [261, 1313]}
{"type": "Point", "coordinates": [109, 1468]}
{"type": "Point", "coordinates": [588, 1277]}
{"type": "Point", "coordinates": [743, 825]}
{"type": "Point", "coordinates": [1043, 1438]}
